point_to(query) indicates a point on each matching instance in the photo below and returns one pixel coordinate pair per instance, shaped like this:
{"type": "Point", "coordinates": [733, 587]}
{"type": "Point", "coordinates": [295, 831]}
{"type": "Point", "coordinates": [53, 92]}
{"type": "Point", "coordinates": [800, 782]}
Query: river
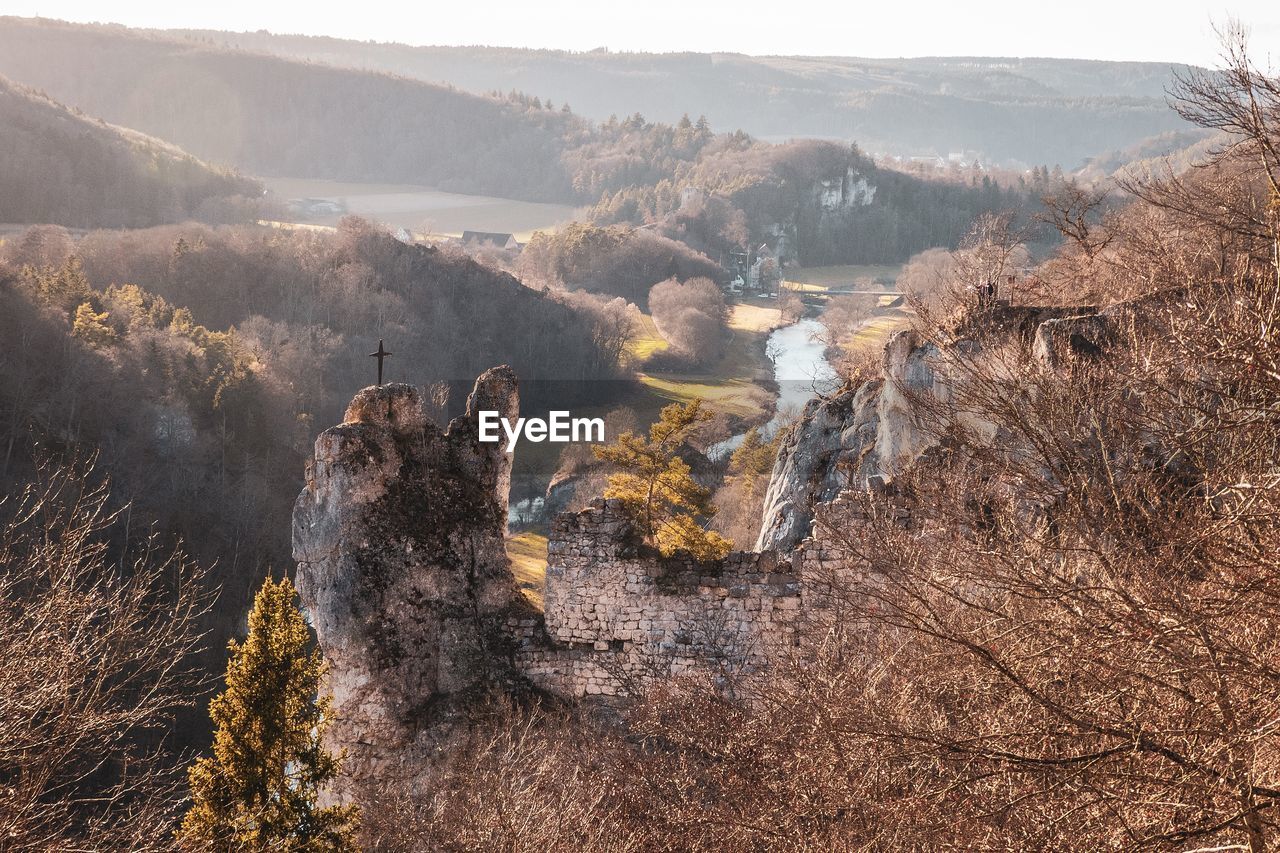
{"type": "Point", "coordinates": [800, 368]}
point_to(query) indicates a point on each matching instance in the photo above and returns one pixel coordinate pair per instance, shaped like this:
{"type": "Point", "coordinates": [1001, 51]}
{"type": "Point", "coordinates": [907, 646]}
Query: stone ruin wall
{"type": "Point", "coordinates": [616, 614]}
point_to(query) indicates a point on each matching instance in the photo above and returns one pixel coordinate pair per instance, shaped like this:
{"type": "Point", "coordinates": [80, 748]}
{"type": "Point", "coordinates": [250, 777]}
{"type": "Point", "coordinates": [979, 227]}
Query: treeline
{"type": "Point", "coordinates": [61, 167]}
{"type": "Point", "coordinates": [276, 117]}
{"type": "Point", "coordinates": [827, 203]}
{"type": "Point", "coordinates": [1060, 110]}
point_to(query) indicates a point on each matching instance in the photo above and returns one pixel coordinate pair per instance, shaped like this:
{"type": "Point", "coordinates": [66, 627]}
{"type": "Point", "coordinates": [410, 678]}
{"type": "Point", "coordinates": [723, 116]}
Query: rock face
{"type": "Point", "coordinates": [399, 538]}
{"type": "Point", "coordinates": [855, 438]}
{"type": "Point", "coordinates": [863, 437]}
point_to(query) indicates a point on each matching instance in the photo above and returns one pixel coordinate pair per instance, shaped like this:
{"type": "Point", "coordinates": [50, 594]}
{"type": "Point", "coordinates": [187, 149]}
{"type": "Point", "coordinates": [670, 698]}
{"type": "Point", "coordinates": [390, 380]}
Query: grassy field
{"type": "Point", "coordinates": [731, 385]}
{"type": "Point", "coordinates": [646, 340]}
{"type": "Point", "coordinates": [424, 211]}
{"type": "Point", "coordinates": [758, 315]}
{"type": "Point", "coordinates": [841, 277]}
{"type": "Point", "coordinates": [877, 330]}
{"type": "Point", "coordinates": [528, 553]}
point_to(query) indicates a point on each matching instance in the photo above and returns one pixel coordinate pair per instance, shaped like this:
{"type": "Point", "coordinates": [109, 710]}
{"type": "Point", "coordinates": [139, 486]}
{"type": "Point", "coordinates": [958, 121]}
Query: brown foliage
{"type": "Point", "coordinates": [692, 317]}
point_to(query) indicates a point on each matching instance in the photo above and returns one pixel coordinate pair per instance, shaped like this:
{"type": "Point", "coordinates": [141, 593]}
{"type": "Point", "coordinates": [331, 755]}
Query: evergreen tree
{"type": "Point", "coordinates": [656, 488]}
{"type": "Point", "coordinates": [752, 462]}
{"type": "Point", "coordinates": [92, 327]}
{"type": "Point", "coordinates": [260, 789]}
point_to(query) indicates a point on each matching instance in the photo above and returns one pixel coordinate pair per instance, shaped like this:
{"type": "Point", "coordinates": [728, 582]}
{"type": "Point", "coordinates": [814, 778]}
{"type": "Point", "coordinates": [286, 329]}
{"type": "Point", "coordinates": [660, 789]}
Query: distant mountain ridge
{"type": "Point", "coordinates": [1034, 110]}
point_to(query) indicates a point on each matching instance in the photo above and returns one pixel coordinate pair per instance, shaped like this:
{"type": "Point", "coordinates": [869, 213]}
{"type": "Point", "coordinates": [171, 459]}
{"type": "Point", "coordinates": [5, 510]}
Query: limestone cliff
{"type": "Point", "coordinates": [399, 538]}
{"type": "Point", "coordinates": [862, 437]}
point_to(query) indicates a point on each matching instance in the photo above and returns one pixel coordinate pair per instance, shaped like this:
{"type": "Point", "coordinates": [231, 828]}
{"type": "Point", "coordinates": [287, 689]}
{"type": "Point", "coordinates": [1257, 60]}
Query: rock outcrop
{"type": "Point", "coordinates": [857, 437]}
{"type": "Point", "coordinates": [402, 569]}
{"type": "Point", "coordinates": [863, 437]}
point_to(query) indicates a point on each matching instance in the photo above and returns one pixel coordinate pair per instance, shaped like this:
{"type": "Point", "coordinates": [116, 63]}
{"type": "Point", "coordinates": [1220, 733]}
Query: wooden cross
{"type": "Point", "coordinates": [381, 356]}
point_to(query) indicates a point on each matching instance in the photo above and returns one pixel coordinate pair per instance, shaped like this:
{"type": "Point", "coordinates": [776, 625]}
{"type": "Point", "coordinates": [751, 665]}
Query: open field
{"type": "Point", "coordinates": [424, 211]}
{"type": "Point", "coordinates": [731, 385]}
{"type": "Point", "coordinates": [646, 340]}
{"type": "Point", "coordinates": [756, 315]}
{"type": "Point", "coordinates": [841, 277]}
{"type": "Point", "coordinates": [528, 554]}
{"type": "Point", "coordinates": [878, 329]}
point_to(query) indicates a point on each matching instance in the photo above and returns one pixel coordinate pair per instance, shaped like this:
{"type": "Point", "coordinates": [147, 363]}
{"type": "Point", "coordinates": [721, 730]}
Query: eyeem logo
{"type": "Point", "coordinates": [559, 427]}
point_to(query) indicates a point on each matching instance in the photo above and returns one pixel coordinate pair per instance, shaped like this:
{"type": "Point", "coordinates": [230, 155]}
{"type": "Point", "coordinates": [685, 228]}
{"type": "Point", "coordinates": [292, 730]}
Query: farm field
{"type": "Point", "coordinates": [424, 211]}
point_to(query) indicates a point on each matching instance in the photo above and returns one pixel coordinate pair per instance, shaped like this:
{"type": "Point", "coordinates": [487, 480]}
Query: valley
{"type": "Point", "coordinates": [711, 447]}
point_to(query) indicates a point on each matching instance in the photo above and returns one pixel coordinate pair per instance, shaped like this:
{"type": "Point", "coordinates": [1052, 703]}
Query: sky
{"type": "Point", "coordinates": [1154, 30]}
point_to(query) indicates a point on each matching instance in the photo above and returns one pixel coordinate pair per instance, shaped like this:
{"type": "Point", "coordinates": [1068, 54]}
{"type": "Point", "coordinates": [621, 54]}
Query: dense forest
{"type": "Point", "coordinates": [828, 203]}
{"type": "Point", "coordinates": [1002, 108]}
{"type": "Point", "coordinates": [60, 166]}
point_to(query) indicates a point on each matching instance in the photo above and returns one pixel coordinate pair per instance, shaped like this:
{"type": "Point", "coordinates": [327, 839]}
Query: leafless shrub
{"type": "Point", "coordinates": [692, 317]}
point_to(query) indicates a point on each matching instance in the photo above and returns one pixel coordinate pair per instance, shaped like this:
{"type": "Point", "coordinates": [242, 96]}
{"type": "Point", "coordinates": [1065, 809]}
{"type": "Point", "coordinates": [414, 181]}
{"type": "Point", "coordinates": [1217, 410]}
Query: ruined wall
{"type": "Point", "coordinates": [618, 615]}
{"type": "Point", "coordinates": [618, 611]}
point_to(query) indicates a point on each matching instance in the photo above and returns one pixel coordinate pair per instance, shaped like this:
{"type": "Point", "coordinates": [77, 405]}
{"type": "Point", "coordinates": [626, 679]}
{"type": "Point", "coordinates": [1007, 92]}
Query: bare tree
{"type": "Point", "coordinates": [97, 650]}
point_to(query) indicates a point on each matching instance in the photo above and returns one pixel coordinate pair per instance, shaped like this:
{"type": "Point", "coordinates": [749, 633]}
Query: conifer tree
{"type": "Point", "coordinates": [260, 790]}
{"type": "Point", "coordinates": [92, 327]}
{"type": "Point", "coordinates": [657, 489]}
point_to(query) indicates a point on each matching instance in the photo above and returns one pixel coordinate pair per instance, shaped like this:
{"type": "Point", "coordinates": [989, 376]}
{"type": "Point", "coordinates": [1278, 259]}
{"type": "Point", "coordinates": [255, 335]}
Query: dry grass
{"type": "Point", "coordinates": [528, 554]}
{"type": "Point", "coordinates": [757, 315]}
{"type": "Point", "coordinates": [877, 330]}
{"type": "Point", "coordinates": [646, 341]}
{"type": "Point", "coordinates": [840, 277]}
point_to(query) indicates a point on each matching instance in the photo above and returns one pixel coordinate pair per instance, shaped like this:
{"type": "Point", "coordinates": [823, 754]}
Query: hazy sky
{"type": "Point", "coordinates": [1161, 30]}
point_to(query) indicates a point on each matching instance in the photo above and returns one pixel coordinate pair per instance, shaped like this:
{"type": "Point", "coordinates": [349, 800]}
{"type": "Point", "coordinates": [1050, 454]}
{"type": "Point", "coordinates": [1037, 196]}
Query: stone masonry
{"type": "Point", "coordinates": [617, 612]}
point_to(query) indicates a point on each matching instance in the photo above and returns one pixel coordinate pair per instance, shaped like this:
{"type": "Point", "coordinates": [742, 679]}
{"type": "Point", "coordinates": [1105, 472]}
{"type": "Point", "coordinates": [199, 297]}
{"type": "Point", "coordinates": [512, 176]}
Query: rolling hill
{"type": "Point", "coordinates": [58, 166]}
{"type": "Point", "coordinates": [277, 117]}
{"type": "Point", "coordinates": [1001, 108]}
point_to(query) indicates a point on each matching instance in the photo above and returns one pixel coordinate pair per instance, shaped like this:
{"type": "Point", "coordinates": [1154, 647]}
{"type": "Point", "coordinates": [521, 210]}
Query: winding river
{"type": "Point", "coordinates": [800, 368]}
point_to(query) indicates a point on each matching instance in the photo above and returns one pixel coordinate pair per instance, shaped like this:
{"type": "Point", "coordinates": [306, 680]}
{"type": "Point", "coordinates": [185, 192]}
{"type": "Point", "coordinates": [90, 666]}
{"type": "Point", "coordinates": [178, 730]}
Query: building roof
{"type": "Point", "coordinates": [494, 237]}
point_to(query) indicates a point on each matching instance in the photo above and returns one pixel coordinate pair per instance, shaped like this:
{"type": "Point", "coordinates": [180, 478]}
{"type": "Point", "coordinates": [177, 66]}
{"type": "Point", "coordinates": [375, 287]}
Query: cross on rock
{"type": "Point", "coordinates": [381, 356]}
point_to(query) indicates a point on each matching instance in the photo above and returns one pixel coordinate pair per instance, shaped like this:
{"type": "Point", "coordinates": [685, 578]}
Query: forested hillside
{"type": "Point", "coordinates": [1004, 108]}
{"type": "Point", "coordinates": [273, 116]}
{"type": "Point", "coordinates": [57, 166]}
{"type": "Point", "coordinates": [827, 203]}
